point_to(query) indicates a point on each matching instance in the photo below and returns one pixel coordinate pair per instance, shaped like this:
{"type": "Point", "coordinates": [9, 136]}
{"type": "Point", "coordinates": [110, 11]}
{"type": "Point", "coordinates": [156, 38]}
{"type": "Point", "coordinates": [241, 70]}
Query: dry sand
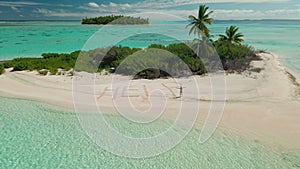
{"type": "Point", "coordinates": [263, 105]}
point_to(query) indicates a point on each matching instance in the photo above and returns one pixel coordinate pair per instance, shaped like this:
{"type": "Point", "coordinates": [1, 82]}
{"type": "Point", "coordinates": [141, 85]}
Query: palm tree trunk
{"type": "Point", "coordinates": [229, 49]}
{"type": "Point", "coordinates": [198, 45]}
{"type": "Point", "coordinates": [198, 48]}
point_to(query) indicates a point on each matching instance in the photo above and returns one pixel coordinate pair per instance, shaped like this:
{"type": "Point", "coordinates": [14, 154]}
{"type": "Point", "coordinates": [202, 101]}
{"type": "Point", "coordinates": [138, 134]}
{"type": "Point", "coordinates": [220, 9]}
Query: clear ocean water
{"type": "Point", "coordinates": [35, 135]}
{"type": "Point", "coordinates": [32, 38]}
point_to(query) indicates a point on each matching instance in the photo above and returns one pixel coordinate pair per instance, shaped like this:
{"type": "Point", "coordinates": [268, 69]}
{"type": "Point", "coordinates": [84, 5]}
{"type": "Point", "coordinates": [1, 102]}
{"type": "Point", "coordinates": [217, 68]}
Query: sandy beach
{"type": "Point", "coordinates": [262, 105]}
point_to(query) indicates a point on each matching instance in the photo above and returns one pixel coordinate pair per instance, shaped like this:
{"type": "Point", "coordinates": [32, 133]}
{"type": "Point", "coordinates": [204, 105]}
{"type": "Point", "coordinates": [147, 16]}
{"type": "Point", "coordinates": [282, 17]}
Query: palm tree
{"type": "Point", "coordinates": [231, 36]}
{"type": "Point", "coordinates": [199, 24]}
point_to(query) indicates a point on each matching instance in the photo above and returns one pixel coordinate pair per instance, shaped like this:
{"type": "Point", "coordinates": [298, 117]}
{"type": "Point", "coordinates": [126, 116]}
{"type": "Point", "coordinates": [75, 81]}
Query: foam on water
{"type": "Point", "coordinates": [35, 135]}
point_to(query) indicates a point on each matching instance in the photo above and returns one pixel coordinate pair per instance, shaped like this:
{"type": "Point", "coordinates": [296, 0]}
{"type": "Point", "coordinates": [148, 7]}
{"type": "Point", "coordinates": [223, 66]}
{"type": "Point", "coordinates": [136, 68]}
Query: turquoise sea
{"type": "Point", "coordinates": [32, 38]}
{"type": "Point", "coordinates": [36, 135]}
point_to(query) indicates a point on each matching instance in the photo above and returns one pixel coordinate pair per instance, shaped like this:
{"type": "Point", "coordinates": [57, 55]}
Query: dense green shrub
{"type": "Point", "coordinates": [71, 73]}
{"type": "Point", "coordinates": [19, 66]}
{"type": "Point", "coordinates": [50, 61]}
{"type": "Point", "coordinates": [157, 56]}
{"type": "Point", "coordinates": [238, 59]}
{"type": "Point", "coordinates": [2, 70]}
{"type": "Point", "coordinates": [50, 55]}
{"type": "Point", "coordinates": [43, 72]}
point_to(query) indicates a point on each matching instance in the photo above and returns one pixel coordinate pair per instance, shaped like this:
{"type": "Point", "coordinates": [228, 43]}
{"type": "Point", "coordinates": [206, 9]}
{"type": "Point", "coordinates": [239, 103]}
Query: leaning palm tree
{"type": "Point", "coordinates": [199, 28]}
{"type": "Point", "coordinates": [199, 23]}
{"type": "Point", "coordinates": [231, 36]}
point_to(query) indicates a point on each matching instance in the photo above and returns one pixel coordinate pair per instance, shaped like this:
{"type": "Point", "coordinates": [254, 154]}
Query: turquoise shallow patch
{"type": "Point", "coordinates": [36, 135]}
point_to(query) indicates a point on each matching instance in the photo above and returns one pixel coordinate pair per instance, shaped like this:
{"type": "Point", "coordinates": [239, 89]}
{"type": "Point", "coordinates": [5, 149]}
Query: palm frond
{"type": "Point", "coordinates": [192, 29]}
{"type": "Point", "coordinates": [223, 36]}
{"type": "Point", "coordinates": [199, 24]}
{"type": "Point", "coordinates": [191, 17]}
{"type": "Point", "coordinates": [208, 20]}
{"type": "Point", "coordinates": [190, 24]}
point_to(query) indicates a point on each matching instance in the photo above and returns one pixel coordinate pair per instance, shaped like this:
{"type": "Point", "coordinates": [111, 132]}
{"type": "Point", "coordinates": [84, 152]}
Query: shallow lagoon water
{"type": "Point", "coordinates": [32, 38]}
{"type": "Point", "coordinates": [36, 135]}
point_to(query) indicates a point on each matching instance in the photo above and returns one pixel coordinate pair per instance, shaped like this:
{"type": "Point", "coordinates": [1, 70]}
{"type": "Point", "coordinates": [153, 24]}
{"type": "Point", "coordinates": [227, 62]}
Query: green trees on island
{"type": "Point", "coordinates": [52, 62]}
{"type": "Point", "coordinates": [1, 69]}
{"type": "Point", "coordinates": [231, 36]}
{"type": "Point", "coordinates": [115, 20]}
{"type": "Point", "coordinates": [234, 55]}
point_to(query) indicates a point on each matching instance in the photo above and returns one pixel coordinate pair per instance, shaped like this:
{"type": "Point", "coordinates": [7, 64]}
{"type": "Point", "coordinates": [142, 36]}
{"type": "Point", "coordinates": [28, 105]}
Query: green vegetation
{"type": "Point", "coordinates": [43, 72]}
{"type": "Point", "coordinates": [234, 55]}
{"type": "Point", "coordinates": [2, 69]}
{"type": "Point", "coordinates": [199, 28]}
{"type": "Point", "coordinates": [148, 63]}
{"type": "Point", "coordinates": [199, 23]}
{"type": "Point", "coordinates": [71, 73]}
{"type": "Point", "coordinates": [231, 36]}
{"type": "Point", "coordinates": [238, 60]}
{"type": "Point", "coordinates": [50, 61]}
{"type": "Point", "coordinates": [115, 20]}
{"type": "Point", "coordinates": [113, 57]}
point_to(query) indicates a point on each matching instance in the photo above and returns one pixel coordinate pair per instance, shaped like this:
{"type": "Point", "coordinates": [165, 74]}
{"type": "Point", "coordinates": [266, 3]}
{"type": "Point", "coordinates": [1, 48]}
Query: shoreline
{"type": "Point", "coordinates": [263, 103]}
{"type": "Point", "coordinates": [294, 74]}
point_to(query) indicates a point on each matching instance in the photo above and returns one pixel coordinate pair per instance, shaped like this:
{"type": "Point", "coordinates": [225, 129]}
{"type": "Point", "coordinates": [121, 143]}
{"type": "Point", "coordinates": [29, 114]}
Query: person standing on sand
{"type": "Point", "coordinates": [180, 91]}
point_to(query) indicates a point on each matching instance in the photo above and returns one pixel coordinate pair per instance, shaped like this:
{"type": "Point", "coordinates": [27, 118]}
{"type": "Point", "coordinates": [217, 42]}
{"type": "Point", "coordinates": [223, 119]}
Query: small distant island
{"type": "Point", "coordinates": [116, 20]}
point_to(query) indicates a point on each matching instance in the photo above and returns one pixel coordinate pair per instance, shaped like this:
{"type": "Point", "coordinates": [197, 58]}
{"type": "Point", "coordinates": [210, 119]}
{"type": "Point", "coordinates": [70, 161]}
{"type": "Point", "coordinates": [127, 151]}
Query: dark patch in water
{"type": "Point", "coordinates": [2, 41]}
{"type": "Point", "coordinates": [24, 40]}
{"type": "Point", "coordinates": [45, 34]}
{"type": "Point", "coordinates": [31, 34]}
{"type": "Point", "coordinates": [21, 36]}
{"type": "Point", "coordinates": [18, 43]}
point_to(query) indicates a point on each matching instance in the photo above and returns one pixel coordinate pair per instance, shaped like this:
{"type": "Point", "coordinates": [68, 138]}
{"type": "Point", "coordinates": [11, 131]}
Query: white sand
{"type": "Point", "coordinates": [263, 105]}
